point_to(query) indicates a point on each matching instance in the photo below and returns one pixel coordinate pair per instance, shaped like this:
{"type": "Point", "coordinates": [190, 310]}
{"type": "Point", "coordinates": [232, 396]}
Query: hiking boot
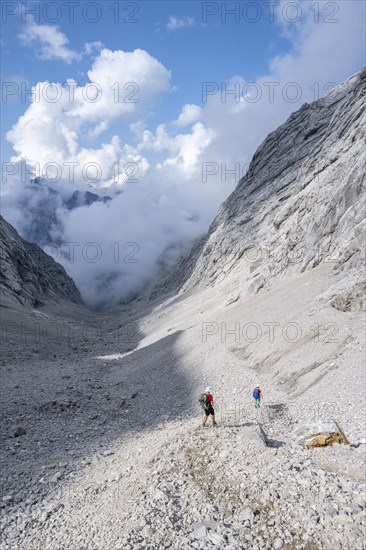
{"type": "Point", "coordinates": [214, 424]}
{"type": "Point", "coordinates": [203, 424]}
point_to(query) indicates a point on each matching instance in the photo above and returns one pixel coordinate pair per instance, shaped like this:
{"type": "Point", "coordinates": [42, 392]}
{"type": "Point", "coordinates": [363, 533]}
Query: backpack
{"type": "Point", "coordinates": [204, 401]}
{"type": "Point", "coordinates": [257, 393]}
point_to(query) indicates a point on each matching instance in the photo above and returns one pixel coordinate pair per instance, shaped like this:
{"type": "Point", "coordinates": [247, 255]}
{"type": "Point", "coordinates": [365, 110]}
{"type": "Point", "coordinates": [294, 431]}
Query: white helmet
{"type": "Point", "coordinates": [208, 390]}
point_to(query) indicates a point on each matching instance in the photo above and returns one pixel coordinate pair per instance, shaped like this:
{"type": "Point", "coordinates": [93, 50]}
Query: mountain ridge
{"type": "Point", "coordinates": [295, 169]}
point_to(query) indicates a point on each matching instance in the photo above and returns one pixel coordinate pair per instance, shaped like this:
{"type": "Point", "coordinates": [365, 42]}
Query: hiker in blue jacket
{"type": "Point", "coordinates": [257, 395]}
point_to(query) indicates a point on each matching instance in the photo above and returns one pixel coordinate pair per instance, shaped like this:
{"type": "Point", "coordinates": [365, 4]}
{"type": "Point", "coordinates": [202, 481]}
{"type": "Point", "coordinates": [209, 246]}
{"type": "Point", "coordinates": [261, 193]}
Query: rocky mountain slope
{"type": "Point", "coordinates": [102, 442]}
{"type": "Point", "coordinates": [111, 453]}
{"type": "Point", "coordinates": [300, 204]}
{"type": "Point", "coordinates": [28, 275]}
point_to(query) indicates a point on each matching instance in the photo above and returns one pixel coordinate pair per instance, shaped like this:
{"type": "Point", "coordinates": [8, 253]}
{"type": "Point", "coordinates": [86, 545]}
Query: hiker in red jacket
{"type": "Point", "coordinates": [206, 401]}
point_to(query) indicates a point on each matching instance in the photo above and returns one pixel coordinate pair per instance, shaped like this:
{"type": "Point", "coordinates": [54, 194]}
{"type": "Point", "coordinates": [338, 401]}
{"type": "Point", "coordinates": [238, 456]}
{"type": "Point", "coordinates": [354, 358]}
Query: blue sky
{"type": "Point", "coordinates": [195, 53]}
{"type": "Point", "coordinates": [196, 41]}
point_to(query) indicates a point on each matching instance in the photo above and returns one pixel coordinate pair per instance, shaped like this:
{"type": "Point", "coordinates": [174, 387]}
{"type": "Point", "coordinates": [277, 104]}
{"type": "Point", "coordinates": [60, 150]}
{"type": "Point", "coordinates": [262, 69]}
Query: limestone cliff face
{"type": "Point", "coordinates": [300, 204]}
{"type": "Point", "coordinates": [28, 275]}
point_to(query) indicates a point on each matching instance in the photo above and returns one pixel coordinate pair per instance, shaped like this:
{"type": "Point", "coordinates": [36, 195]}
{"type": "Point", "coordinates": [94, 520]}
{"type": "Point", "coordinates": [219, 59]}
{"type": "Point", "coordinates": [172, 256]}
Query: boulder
{"type": "Point", "coordinates": [319, 434]}
{"type": "Point", "coordinates": [326, 439]}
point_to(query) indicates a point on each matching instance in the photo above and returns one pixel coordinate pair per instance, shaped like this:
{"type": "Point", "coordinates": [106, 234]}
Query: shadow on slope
{"type": "Point", "coordinates": [73, 411]}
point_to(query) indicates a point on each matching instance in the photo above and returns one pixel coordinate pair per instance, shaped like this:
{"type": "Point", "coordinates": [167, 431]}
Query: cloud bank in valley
{"type": "Point", "coordinates": [167, 183]}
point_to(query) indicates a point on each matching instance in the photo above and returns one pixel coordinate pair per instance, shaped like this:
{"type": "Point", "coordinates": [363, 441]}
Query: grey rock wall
{"type": "Point", "coordinates": [28, 275]}
{"type": "Point", "coordinates": [300, 204]}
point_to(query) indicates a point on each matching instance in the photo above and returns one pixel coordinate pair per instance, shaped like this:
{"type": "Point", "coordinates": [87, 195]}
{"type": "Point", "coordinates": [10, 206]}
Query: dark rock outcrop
{"type": "Point", "coordinates": [28, 275]}
{"type": "Point", "coordinates": [79, 198]}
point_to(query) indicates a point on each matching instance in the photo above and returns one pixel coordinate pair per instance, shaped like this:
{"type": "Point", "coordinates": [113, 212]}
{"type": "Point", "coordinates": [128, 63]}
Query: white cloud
{"type": "Point", "coordinates": [93, 47]}
{"type": "Point", "coordinates": [185, 150]}
{"type": "Point", "coordinates": [175, 23]}
{"type": "Point", "coordinates": [126, 85]}
{"type": "Point", "coordinates": [51, 42]}
{"type": "Point", "coordinates": [189, 114]}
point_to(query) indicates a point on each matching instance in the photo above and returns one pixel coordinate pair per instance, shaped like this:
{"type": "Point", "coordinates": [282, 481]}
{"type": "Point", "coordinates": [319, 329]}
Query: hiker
{"type": "Point", "coordinates": [206, 401]}
{"type": "Point", "coordinates": [257, 394]}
